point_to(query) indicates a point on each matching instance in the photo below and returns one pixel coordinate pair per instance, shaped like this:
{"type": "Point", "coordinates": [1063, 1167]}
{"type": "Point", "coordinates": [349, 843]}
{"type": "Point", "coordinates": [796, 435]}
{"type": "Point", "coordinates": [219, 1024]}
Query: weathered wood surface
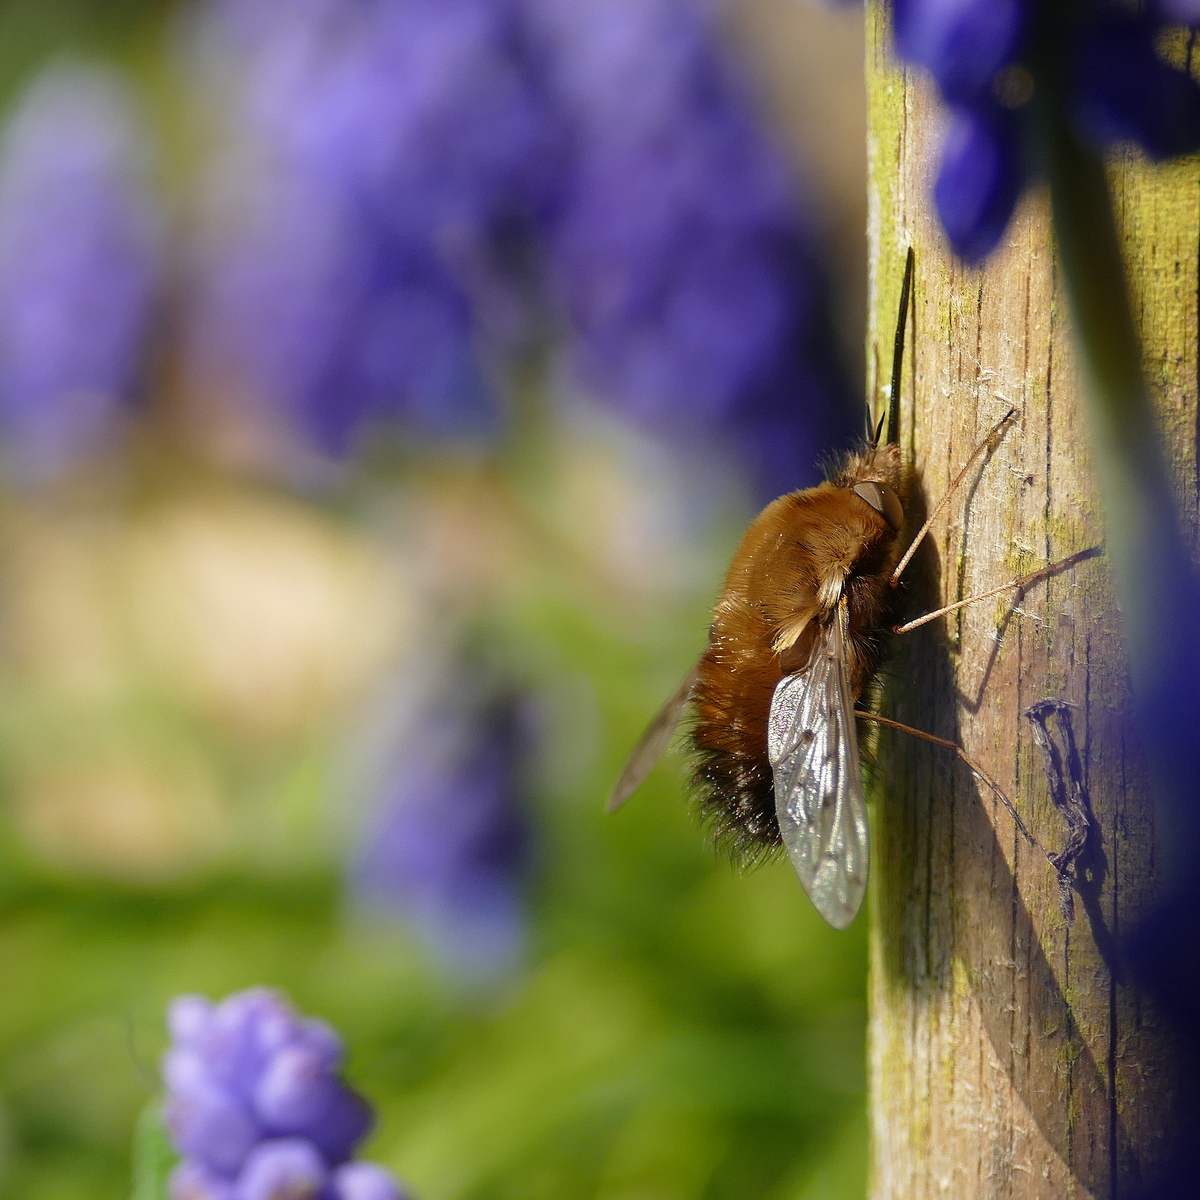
{"type": "Point", "coordinates": [1007, 1059]}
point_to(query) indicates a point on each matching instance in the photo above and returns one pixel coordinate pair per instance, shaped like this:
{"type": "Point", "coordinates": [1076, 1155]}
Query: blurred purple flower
{"type": "Point", "coordinates": [417, 167]}
{"type": "Point", "coordinates": [397, 147]}
{"type": "Point", "coordinates": [980, 178]}
{"type": "Point", "coordinates": [1119, 90]}
{"type": "Point", "coordinates": [447, 845]}
{"type": "Point", "coordinates": [79, 250]}
{"type": "Point", "coordinates": [1126, 93]}
{"type": "Point", "coordinates": [675, 244]}
{"type": "Point", "coordinates": [963, 43]}
{"type": "Point", "coordinates": [255, 1106]}
{"type": "Point", "coordinates": [1175, 12]}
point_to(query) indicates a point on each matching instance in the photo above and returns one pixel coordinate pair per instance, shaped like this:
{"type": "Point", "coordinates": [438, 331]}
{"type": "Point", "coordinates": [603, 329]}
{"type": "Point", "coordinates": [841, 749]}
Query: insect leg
{"type": "Point", "coordinates": [912, 549]}
{"type": "Point", "coordinates": [949, 745]}
{"type": "Point", "coordinates": [1017, 585]}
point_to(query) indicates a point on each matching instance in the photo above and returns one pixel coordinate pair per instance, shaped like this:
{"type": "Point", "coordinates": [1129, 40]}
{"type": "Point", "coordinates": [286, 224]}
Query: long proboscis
{"type": "Point", "coordinates": [893, 409]}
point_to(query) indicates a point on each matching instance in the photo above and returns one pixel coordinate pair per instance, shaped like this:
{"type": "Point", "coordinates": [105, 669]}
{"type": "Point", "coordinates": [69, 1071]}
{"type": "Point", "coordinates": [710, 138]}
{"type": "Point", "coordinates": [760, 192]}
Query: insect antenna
{"type": "Point", "coordinates": [893, 408]}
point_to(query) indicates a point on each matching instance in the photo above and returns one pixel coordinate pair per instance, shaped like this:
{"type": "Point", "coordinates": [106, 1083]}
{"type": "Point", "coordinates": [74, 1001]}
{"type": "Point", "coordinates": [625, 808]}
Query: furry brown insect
{"type": "Point", "coordinates": [801, 554]}
{"type": "Point", "coordinates": [799, 632]}
{"type": "Point", "coordinates": [809, 602]}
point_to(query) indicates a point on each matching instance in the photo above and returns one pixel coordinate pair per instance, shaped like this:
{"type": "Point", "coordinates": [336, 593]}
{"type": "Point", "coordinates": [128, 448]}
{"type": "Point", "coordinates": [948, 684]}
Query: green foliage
{"type": "Point", "coordinates": [680, 1031]}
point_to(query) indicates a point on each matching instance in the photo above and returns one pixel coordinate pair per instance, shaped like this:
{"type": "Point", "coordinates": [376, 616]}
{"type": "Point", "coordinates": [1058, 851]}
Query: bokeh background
{"type": "Point", "coordinates": [383, 386]}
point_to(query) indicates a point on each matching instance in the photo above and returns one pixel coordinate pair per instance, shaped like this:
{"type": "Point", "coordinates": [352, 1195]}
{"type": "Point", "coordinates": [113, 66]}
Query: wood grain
{"type": "Point", "coordinates": [1009, 1056]}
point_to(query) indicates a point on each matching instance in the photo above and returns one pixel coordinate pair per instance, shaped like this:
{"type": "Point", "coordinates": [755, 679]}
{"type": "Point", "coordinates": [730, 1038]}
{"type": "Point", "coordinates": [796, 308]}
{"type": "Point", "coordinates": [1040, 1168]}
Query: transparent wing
{"type": "Point", "coordinates": [653, 742]}
{"type": "Point", "coordinates": [813, 748]}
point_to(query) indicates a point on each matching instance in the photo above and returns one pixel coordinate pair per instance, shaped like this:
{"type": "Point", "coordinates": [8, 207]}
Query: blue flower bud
{"type": "Point", "coordinates": [365, 1181]}
{"type": "Point", "coordinates": [339, 1124]}
{"type": "Point", "coordinates": [243, 1030]}
{"type": "Point", "coordinates": [211, 1126]}
{"type": "Point", "coordinates": [292, 1090]}
{"type": "Point", "coordinates": [188, 1017]}
{"type": "Point", "coordinates": [320, 1039]}
{"type": "Point", "coordinates": [285, 1169]}
{"type": "Point", "coordinates": [979, 180]}
{"type": "Point", "coordinates": [961, 43]}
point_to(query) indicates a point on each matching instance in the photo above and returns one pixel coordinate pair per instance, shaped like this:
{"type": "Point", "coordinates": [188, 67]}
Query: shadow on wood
{"type": "Point", "coordinates": [979, 1025]}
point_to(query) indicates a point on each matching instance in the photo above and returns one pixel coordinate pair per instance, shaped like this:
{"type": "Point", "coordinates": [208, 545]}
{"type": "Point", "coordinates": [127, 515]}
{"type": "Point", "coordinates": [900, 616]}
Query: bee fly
{"type": "Point", "coordinates": [798, 634]}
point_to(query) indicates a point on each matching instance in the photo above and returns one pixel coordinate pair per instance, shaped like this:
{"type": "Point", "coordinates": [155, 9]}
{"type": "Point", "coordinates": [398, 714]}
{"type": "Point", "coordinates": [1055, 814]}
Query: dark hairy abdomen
{"type": "Point", "coordinates": [731, 772]}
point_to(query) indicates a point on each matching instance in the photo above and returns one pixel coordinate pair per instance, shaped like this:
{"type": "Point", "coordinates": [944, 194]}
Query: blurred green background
{"type": "Point", "coordinates": [190, 664]}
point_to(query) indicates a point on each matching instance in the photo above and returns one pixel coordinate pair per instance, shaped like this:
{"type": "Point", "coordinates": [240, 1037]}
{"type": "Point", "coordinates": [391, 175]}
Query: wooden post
{"type": "Point", "coordinates": [1009, 1055]}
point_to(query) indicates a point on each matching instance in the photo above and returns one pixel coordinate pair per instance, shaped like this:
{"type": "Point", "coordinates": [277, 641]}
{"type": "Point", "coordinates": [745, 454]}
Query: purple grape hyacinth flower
{"type": "Point", "coordinates": [256, 1108]}
{"type": "Point", "coordinates": [422, 165]}
{"type": "Point", "coordinates": [675, 242]}
{"type": "Point", "coordinates": [447, 845]}
{"type": "Point", "coordinates": [425, 175]}
{"type": "Point", "coordinates": [984, 56]}
{"type": "Point", "coordinates": [79, 254]}
{"type": "Point", "coordinates": [397, 144]}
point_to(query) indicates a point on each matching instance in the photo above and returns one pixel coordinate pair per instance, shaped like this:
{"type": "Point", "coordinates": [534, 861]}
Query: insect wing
{"type": "Point", "coordinates": [653, 743]}
{"type": "Point", "coordinates": [813, 748]}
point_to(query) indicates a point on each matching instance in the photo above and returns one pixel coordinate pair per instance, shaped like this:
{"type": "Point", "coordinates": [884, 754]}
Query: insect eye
{"type": "Point", "coordinates": [883, 500]}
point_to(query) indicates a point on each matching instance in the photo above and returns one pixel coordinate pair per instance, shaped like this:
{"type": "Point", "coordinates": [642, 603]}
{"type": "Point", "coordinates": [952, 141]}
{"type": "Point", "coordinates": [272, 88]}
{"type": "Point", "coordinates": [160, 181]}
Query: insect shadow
{"type": "Point", "coordinates": [1080, 862]}
{"type": "Point", "coordinates": [940, 834]}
